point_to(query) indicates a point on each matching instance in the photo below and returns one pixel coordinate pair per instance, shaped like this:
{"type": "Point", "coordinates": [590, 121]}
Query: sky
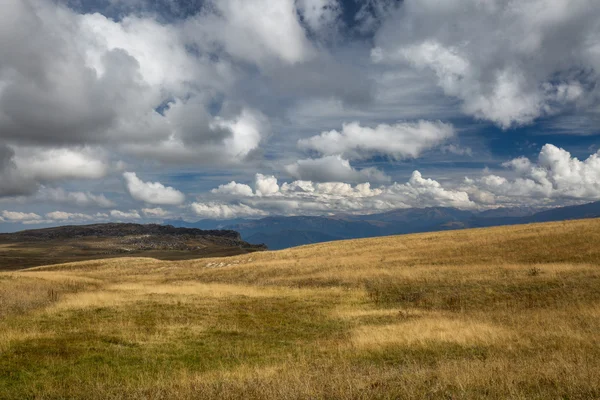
{"type": "Point", "coordinates": [153, 110]}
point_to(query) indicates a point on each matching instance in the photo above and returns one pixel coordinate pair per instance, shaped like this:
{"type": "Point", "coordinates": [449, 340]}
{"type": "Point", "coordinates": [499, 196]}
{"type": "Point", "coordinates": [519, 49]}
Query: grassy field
{"type": "Point", "coordinates": [509, 312]}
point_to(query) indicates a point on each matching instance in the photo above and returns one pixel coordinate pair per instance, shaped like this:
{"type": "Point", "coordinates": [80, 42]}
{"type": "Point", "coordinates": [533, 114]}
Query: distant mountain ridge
{"type": "Point", "coordinates": [283, 232]}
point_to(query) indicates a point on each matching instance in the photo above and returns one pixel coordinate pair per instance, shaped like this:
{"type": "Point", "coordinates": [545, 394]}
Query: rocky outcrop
{"type": "Point", "coordinates": [115, 238]}
{"type": "Point", "coordinates": [78, 243]}
{"type": "Point", "coordinates": [117, 230]}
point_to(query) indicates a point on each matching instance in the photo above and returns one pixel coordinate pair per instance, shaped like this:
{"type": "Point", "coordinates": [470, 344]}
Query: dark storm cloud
{"type": "Point", "coordinates": [11, 183]}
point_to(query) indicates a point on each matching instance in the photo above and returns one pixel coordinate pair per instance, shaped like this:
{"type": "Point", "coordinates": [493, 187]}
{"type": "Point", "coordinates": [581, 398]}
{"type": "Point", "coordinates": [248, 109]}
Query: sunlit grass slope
{"type": "Point", "coordinates": [510, 312]}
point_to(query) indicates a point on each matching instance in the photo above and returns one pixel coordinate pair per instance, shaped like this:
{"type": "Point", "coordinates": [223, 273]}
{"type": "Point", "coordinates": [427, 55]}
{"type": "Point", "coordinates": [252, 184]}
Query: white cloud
{"type": "Point", "coordinates": [399, 141]}
{"type": "Point", "coordinates": [155, 212]}
{"type": "Point", "coordinates": [72, 217]}
{"type": "Point", "coordinates": [195, 137]}
{"type": "Point", "coordinates": [15, 216]}
{"type": "Point", "coordinates": [307, 197]}
{"type": "Point", "coordinates": [458, 150]}
{"type": "Point", "coordinates": [152, 192]}
{"type": "Point", "coordinates": [59, 215]}
{"type": "Point", "coordinates": [132, 214]}
{"type": "Point", "coordinates": [12, 182]}
{"type": "Point", "coordinates": [504, 60]}
{"type": "Point", "coordinates": [265, 185]}
{"type": "Point", "coordinates": [23, 169]}
{"type": "Point", "coordinates": [59, 84]}
{"type": "Point", "coordinates": [225, 211]}
{"type": "Point", "coordinates": [237, 84]}
{"type": "Point", "coordinates": [163, 60]}
{"type": "Point", "coordinates": [182, 82]}
{"type": "Point", "coordinates": [333, 169]}
{"type": "Point", "coordinates": [555, 175]}
{"type": "Point", "coordinates": [246, 132]}
{"type": "Point", "coordinates": [319, 14]}
{"type": "Point", "coordinates": [80, 199]}
{"type": "Point", "coordinates": [421, 192]}
{"type": "Point", "coordinates": [234, 188]}
{"type": "Point", "coordinates": [70, 79]}
{"type": "Point", "coordinates": [253, 30]}
{"type": "Point", "coordinates": [372, 13]}
{"type": "Point", "coordinates": [62, 163]}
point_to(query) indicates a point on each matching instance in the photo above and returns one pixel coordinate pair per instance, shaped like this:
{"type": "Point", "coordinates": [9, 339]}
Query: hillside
{"type": "Point", "coordinates": [491, 313]}
{"type": "Point", "coordinates": [284, 232]}
{"type": "Point", "coordinates": [76, 243]}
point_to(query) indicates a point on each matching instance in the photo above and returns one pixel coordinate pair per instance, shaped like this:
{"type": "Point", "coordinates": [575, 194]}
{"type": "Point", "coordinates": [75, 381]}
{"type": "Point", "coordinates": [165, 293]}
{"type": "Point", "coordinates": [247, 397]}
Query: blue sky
{"type": "Point", "coordinates": [149, 110]}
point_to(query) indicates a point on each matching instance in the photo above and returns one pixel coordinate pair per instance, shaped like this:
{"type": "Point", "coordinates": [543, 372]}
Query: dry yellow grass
{"type": "Point", "coordinates": [429, 329]}
{"type": "Point", "coordinates": [510, 312]}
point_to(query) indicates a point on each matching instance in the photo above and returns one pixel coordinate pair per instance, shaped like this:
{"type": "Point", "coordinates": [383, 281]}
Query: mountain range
{"type": "Point", "coordinates": [280, 232]}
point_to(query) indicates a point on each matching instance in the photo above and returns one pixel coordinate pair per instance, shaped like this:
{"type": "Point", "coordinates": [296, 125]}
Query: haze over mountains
{"type": "Point", "coordinates": [283, 232]}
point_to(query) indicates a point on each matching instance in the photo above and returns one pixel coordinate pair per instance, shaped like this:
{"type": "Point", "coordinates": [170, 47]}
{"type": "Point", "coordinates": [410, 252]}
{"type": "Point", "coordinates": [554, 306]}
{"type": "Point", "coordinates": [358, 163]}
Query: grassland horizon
{"type": "Point", "coordinates": [505, 312]}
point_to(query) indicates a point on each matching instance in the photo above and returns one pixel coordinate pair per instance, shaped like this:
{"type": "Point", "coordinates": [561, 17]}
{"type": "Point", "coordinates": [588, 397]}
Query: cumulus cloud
{"type": "Point", "coordinates": [319, 15]}
{"type": "Point", "coordinates": [555, 175]}
{"type": "Point", "coordinates": [71, 217]}
{"type": "Point", "coordinates": [255, 31]}
{"type": "Point", "coordinates": [422, 192]}
{"type": "Point", "coordinates": [181, 83]}
{"type": "Point", "coordinates": [124, 215]}
{"type": "Point", "coordinates": [504, 60]}
{"type": "Point", "coordinates": [51, 93]}
{"type": "Point", "coordinates": [53, 217]}
{"type": "Point", "coordinates": [372, 13]}
{"type": "Point", "coordinates": [57, 164]}
{"type": "Point", "coordinates": [158, 49]}
{"type": "Point", "coordinates": [197, 138]}
{"type": "Point", "coordinates": [225, 211]}
{"type": "Point", "coordinates": [70, 79]}
{"type": "Point", "coordinates": [308, 197]}
{"type": "Point", "coordinates": [15, 216]}
{"type": "Point", "coordinates": [399, 141]}
{"type": "Point", "coordinates": [59, 215]}
{"type": "Point", "coordinates": [333, 169]}
{"type": "Point", "coordinates": [235, 189]}
{"type": "Point", "coordinates": [155, 212]}
{"type": "Point", "coordinates": [12, 182]}
{"type": "Point", "coordinates": [23, 170]}
{"type": "Point", "coordinates": [458, 150]}
{"type": "Point", "coordinates": [152, 192]}
{"type": "Point", "coordinates": [245, 133]}
{"type": "Point", "coordinates": [265, 185]}
{"type": "Point", "coordinates": [237, 83]}
{"type": "Point", "coordinates": [80, 199]}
